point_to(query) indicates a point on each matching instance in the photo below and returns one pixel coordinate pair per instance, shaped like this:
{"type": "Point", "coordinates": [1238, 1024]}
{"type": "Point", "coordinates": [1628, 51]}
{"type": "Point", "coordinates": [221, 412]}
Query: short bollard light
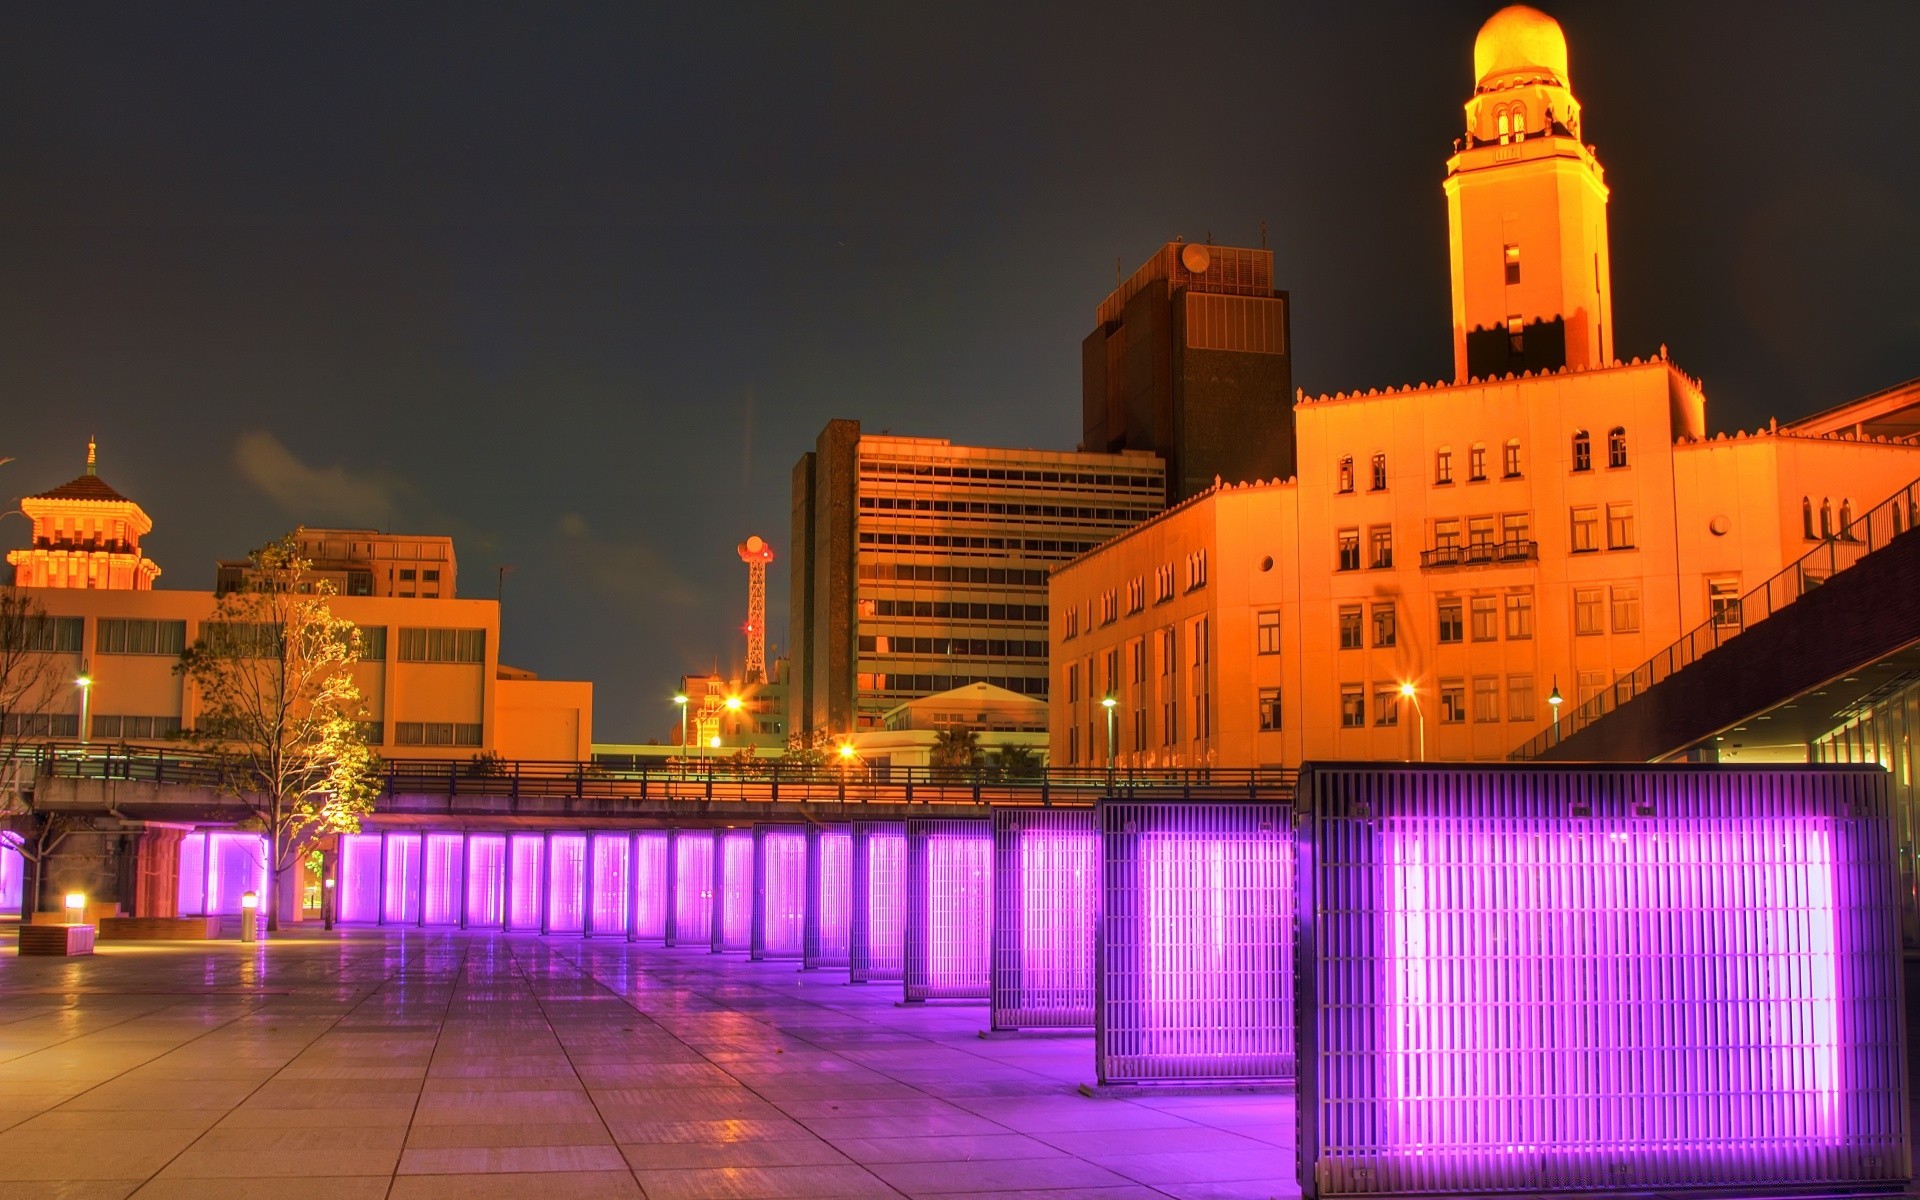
{"type": "Point", "coordinates": [327, 901]}
{"type": "Point", "coordinates": [76, 908]}
{"type": "Point", "coordinates": [249, 916]}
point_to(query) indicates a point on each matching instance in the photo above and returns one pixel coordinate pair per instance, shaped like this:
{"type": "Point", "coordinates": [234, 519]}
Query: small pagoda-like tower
{"type": "Point", "coordinates": [85, 535]}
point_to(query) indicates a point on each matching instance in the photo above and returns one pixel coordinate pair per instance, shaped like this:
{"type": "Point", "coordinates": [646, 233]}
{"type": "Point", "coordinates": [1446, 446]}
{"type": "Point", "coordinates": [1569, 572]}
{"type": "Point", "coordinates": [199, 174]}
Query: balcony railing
{"type": "Point", "coordinates": [1480, 554]}
{"type": "Point", "coordinates": [1892, 518]}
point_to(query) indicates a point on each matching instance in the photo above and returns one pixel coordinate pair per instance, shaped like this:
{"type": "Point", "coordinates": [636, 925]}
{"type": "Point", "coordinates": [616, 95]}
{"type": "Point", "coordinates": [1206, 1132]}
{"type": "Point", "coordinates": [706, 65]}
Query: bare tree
{"type": "Point", "coordinates": [32, 683]}
{"type": "Point", "coordinates": [278, 705]}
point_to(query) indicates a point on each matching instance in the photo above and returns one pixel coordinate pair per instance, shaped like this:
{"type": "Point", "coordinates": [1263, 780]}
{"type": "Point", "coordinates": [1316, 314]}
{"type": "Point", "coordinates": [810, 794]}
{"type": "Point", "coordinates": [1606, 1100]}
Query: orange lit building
{"type": "Point", "coordinates": [1452, 556]}
{"type": "Point", "coordinates": [85, 535]}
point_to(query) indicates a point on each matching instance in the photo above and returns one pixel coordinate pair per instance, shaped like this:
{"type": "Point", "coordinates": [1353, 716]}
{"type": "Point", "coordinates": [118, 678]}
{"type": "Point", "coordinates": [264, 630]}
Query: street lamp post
{"type": "Point", "coordinates": [733, 705]}
{"type": "Point", "coordinates": [86, 704]}
{"type": "Point", "coordinates": [1110, 704]}
{"type": "Point", "coordinates": [326, 902]}
{"type": "Point", "coordinates": [1419, 718]}
{"type": "Point", "coordinates": [1554, 702]}
{"type": "Point", "coordinates": [680, 698]}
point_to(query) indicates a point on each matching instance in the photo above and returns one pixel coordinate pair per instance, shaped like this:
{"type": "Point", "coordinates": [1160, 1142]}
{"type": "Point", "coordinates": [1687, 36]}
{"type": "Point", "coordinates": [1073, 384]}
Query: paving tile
{"type": "Point", "coordinates": [329, 1187]}
{"type": "Point", "coordinates": [764, 1183]}
{"type": "Point", "coordinates": [496, 1160]}
{"type": "Point", "coordinates": [576, 1185]}
{"type": "Point", "coordinates": [986, 1175]}
{"type": "Point", "coordinates": [676, 1155]}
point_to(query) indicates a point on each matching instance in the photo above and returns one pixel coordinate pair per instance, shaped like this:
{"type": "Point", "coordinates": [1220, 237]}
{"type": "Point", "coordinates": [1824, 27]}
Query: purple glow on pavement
{"type": "Point", "coordinates": [734, 928]}
{"type": "Point", "coordinates": [402, 902]}
{"type": "Point", "coordinates": [440, 873]}
{"type": "Point", "coordinates": [567, 883]}
{"type": "Point", "coordinates": [612, 887]}
{"type": "Point", "coordinates": [526, 881]}
{"type": "Point", "coordinates": [486, 880]}
{"type": "Point", "coordinates": [359, 884]}
{"type": "Point", "coordinates": [692, 923]}
{"type": "Point", "coordinates": [650, 899]}
{"type": "Point", "coordinates": [781, 880]}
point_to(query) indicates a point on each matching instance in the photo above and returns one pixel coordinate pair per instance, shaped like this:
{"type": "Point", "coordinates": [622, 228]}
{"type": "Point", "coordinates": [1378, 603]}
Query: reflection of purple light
{"type": "Point", "coordinates": [830, 876]}
{"type": "Point", "coordinates": [877, 918]}
{"type": "Point", "coordinates": [526, 881]}
{"type": "Point", "coordinates": [781, 882]}
{"type": "Point", "coordinates": [650, 885]}
{"type": "Point", "coordinates": [692, 923]}
{"type": "Point", "coordinates": [611, 887]}
{"type": "Point", "coordinates": [735, 892]}
{"type": "Point", "coordinates": [440, 875]}
{"type": "Point", "coordinates": [1046, 871]}
{"type": "Point", "coordinates": [1668, 991]}
{"type": "Point", "coordinates": [950, 909]}
{"type": "Point", "coordinates": [486, 879]}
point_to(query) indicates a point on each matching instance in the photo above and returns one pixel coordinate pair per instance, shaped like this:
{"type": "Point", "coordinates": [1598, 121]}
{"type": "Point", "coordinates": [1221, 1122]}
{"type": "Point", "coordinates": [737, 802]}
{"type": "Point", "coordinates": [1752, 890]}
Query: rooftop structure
{"type": "Point", "coordinates": [85, 535]}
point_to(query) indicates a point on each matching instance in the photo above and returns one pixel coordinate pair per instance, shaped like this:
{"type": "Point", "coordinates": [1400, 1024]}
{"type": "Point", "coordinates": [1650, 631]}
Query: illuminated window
{"type": "Point", "coordinates": [1269, 709]}
{"type": "Point", "coordinates": [1353, 706]}
{"type": "Point", "coordinates": [1443, 465]}
{"type": "Point", "coordinates": [1516, 334]}
{"type": "Point", "coordinates": [1620, 526]}
{"type": "Point", "coordinates": [1452, 622]}
{"type": "Point", "coordinates": [1502, 125]}
{"type": "Point", "coordinates": [443, 645]}
{"type": "Point", "coordinates": [1586, 528]}
{"type": "Point", "coordinates": [1519, 119]}
{"type": "Point", "coordinates": [1626, 608]}
{"type": "Point", "coordinates": [1516, 532]}
{"type": "Point", "coordinates": [114, 636]}
{"type": "Point", "coordinates": [1380, 545]}
{"type": "Point", "coordinates": [1586, 611]}
{"type": "Point", "coordinates": [1519, 616]}
{"type": "Point", "coordinates": [1582, 450]}
{"type": "Point", "coordinates": [1513, 263]}
{"type": "Point", "coordinates": [1486, 618]}
{"type": "Point", "coordinates": [1346, 473]}
{"type": "Point", "coordinates": [1486, 698]}
{"type": "Point", "coordinates": [1617, 446]}
{"type": "Point", "coordinates": [1386, 706]}
{"type": "Point", "coordinates": [1446, 539]}
{"type": "Point", "coordinates": [1351, 635]}
{"type": "Point", "coordinates": [1723, 601]}
{"type": "Point", "coordinates": [1379, 472]}
{"type": "Point", "coordinates": [1453, 702]}
{"type": "Point", "coordinates": [1384, 624]}
{"type": "Point", "coordinates": [1476, 463]}
{"type": "Point", "coordinates": [1519, 697]}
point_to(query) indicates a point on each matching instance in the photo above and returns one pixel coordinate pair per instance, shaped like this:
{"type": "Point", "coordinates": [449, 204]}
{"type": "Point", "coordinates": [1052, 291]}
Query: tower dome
{"type": "Point", "coordinates": [1521, 41]}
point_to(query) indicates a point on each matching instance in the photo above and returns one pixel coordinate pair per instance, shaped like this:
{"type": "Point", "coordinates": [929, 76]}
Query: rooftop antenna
{"type": "Point", "coordinates": [1263, 235]}
{"type": "Point", "coordinates": [756, 554]}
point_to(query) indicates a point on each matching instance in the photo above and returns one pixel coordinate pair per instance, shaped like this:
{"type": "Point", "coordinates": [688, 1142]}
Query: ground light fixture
{"type": "Point", "coordinates": [76, 908]}
{"type": "Point", "coordinates": [249, 916]}
{"type": "Point", "coordinates": [326, 902]}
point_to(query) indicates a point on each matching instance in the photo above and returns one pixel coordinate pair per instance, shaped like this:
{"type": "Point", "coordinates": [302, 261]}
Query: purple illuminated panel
{"type": "Point", "coordinates": [566, 883]}
{"type": "Point", "coordinates": [949, 909]}
{"type": "Point", "coordinates": [1046, 873]}
{"type": "Point", "coordinates": [193, 875]}
{"type": "Point", "coordinates": [526, 880]}
{"type": "Point", "coordinates": [651, 879]}
{"type": "Point", "coordinates": [440, 873]}
{"type": "Point", "coordinates": [779, 890]}
{"type": "Point", "coordinates": [401, 888]}
{"type": "Point", "coordinates": [612, 887]}
{"type": "Point", "coordinates": [486, 880]}
{"type": "Point", "coordinates": [876, 922]}
{"type": "Point", "coordinates": [12, 872]}
{"type": "Point", "coordinates": [829, 896]}
{"type": "Point", "coordinates": [733, 893]}
{"type": "Point", "coordinates": [1197, 921]}
{"type": "Point", "coordinates": [359, 884]}
{"type": "Point", "coordinates": [690, 923]}
{"type": "Point", "coordinates": [1600, 979]}
{"type": "Point", "coordinates": [236, 863]}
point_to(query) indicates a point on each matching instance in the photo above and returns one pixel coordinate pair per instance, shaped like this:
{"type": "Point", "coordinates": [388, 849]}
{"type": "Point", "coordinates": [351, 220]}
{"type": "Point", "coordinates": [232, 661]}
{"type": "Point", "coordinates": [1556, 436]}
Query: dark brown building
{"type": "Point", "coordinates": [1191, 361]}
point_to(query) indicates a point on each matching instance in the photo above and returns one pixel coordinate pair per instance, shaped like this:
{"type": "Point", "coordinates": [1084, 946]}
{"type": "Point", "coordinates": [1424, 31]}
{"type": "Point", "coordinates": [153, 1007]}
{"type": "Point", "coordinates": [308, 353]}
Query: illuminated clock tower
{"type": "Point", "coordinates": [1526, 212]}
{"type": "Point", "coordinates": [85, 535]}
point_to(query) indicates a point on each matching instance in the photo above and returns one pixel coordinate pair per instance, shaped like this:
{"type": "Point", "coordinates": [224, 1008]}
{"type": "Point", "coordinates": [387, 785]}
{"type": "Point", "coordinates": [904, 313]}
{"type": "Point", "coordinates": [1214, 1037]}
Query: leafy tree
{"type": "Point", "coordinates": [1016, 762]}
{"type": "Point", "coordinates": [278, 705]}
{"type": "Point", "coordinates": [955, 751]}
{"type": "Point", "coordinates": [32, 684]}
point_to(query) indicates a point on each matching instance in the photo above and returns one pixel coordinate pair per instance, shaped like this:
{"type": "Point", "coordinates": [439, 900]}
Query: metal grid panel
{"type": "Point", "coordinates": [779, 890]}
{"type": "Point", "coordinates": [652, 876]}
{"type": "Point", "coordinates": [359, 879]}
{"type": "Point", "coordinates": [486, 880]}
{"type": "Point", "coordinates": [733, 891]}
{"type": "Point", "coordinates": [526, 880]}
{"type": "Point", "coordinates": [566, 883]}
{"type": "Point", "coordinates": [400, 903]}
{"type": "Point", "coordinates": [1046, 879]}
{"type": "Point", "coordinates": [829, 896]}
{"type": "Point", "coordinates": [690, 920]}
{"type": "Point", "coordinates": [1599, 979]}
{"type": "Point", "coordinates": [612, 889]}
{"type": "Point", "coordinates": [1196, 942]}
{"type": "Point", "coordinates": [441, 879]}
{"type": "Point", "coordinates": [876, 948]}
{"type": "Point", "coordinates": [949, 909]}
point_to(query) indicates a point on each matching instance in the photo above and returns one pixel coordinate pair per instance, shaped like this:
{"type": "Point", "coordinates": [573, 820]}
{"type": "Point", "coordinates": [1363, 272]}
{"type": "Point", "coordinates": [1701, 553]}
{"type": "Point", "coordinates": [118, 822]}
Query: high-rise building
{"type": "Point", "coordinates": [920, 566]}
{"type": "Point", "coordinates": [1451, 558]}
{"type": "Point", "coordinates": [1190, 361]}
{"type": "Point", "coordinates": [366, 562]}
{"type": "Point", "coordinates": [85, 535]}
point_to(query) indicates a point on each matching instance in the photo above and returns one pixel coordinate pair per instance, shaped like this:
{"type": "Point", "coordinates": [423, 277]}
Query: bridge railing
{"type": "Point", "coordinates": [689, 780]}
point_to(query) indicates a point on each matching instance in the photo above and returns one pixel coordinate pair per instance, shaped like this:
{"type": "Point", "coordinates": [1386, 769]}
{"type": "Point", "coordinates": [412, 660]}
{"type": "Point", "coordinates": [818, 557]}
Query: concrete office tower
{"type": "Point", "coordinates": [921, 566]}
{"type": "Point", "coordinates": [1191, 361]}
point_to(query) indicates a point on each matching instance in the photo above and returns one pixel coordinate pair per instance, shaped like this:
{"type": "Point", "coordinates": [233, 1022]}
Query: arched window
{"type": "Point", "coordinates": [1806, 516]}
{"type": "Point", "coordinates": [1519, 122]}
{"type": "Point", "coordinates": [1500, 125]}
{"type": "Point", "coordinates": [1346, 472]}
{"type": "Point", "coordinates": [1826, 518]}
{"type": "Point", "coordinates": [1846, 520]}
{"type": "Point", "coordinates": [1510, 461]}
{"type": "Point", "coordinates": [1582, 450]}
{"type": "Point", "coordinates": [1379, 472]}
{"type": "Point", "coordinates": [1617, 446]}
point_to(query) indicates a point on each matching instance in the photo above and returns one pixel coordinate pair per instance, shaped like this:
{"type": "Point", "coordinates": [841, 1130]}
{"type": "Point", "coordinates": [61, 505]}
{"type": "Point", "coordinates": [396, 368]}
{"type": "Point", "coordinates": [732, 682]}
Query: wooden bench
{"type": "Point", "coordinates": [159, 929]}
{"type": "Point", "coordinates": [57, 940]}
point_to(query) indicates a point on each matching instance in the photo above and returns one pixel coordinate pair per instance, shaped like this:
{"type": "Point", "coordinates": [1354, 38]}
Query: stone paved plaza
{"type": "Point", "coordinates": [423, 1064]}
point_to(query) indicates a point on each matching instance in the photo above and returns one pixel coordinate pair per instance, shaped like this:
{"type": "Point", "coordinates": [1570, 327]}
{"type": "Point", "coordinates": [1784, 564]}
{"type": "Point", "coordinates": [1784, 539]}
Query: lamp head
{"type": "Point", "coordinates": [846, 749]}
{"type": "Point", "coordinates": [1108, 702]}
{"type": "Point", "coordinates": [680, 698]}
{"type": "Point", "coordinates": [76, 901]}
{"type": "Point", "coordinates": [1406, 689]}
{"type": "Point", "coordinates": [249, 900]}
{"type": "Point", "coordinates": [734, 703]}
{"type": "Point", "coordinates": [714, 741]}
{"type": "Point", "coordinates": [85, 681]}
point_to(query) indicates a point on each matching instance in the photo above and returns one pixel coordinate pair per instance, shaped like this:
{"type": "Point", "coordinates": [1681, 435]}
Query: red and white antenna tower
{"type": "Point", "coordinates": [756, 554]}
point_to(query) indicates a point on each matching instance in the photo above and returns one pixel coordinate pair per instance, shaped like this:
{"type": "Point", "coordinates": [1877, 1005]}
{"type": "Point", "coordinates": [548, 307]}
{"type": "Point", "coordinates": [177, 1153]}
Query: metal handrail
{"type": "Point", "coordinates": [1481, 554]}
{"type": "Point", "coordinates": [1891, 518]}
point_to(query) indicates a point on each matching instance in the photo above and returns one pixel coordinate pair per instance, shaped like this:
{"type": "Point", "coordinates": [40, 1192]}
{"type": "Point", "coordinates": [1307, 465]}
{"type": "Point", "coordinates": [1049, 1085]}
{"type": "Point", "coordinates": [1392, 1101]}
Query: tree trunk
{"type": "Point", "coordinates": [271, 901]}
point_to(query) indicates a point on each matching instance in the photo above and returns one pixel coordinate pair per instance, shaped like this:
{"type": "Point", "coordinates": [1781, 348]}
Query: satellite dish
{"type": "Point", "coordinates": [1194, 257]}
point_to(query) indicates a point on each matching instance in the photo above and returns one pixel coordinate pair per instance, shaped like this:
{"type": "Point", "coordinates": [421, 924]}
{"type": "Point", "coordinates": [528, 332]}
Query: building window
{"type": "Point", "coordinates": [1353, 706]}
{"type": "Point", "coordinates": [1723, 601]}
{"type": "Point", "coordinates": [1582, 450]}
{"type": "Point", "coordinates": [1386, 706]}
{"type": "Point", "coordinates": [1626, 608]}
{"type": "Point", "coordinates": [1486, 699]}
{"type": "Point", "coordinates": [1617, 446]}
{"type": "Point", "coordinates": [1480, 536]}
{"type": "Point", "coordinates": [1586, 612]}
{"type": "Point", "coordinates": [1073, 623]}
{"type": "Point", "coordinates": [1136, 595]}
{"type": "Point", "coordinates": [1586, 528]}
{"type": "Point", "coordinates": [1590, 684]}
{"type": "Point", "coordinates": [1516, 530]}
{"type": "Point", "coordinates": [1169, 650]}
{"type": "Point", "coordinates": [1200, 656]}
{"type": "Point", "coordinates": [1349, 548]}
{"type": "Point", "coordinates": [1443, 465]}
{"type": "Point", "coordinates": [1269, 709]}
{"type": "Point", "coordinates": [1513, 263]}
{"type": "Point", "coordinates": [54, 635]}
{"type": "Point", "coordinates": [1519, 698]}
{"type": "Point", "coordinates": [1486, 618]}
{"type": "Point", "coordinates": [1137, 660]}
{"type": "Point", "coordinates": [1383, 625]}
{"type": "Point", "coordinates": [1446, 539]}
{"type": "Point", "coordinates": [1163, 583]}
{"type": "Point", "coordinates": [1379, 472]}
{"type": "Point", "coordinates": [1346, 473]}
{"type": "Point", "coordinates": [1266, 630]}
{"type": "Point", "coordinates": [435, 733]}
{"type": "Point", "coordinates": [1476, 463]}
{"type": "Point", "coordinates": [1510, 459]}
{"type": "Point", "coordinates": [1109, 607]}
{"type": "Point", "coordinates": [1519, 616]}
{"type": "Point", "coordinates": [1139, 729]}
{"type": "Point", "coordinates": [1517, 334]}
{"type": "Point", "coordinates": [1073, 684]}
{"type": "Point", "coordinates": [1846, 522]}
{"type": "Point", "coordinates": [1380, 545]}
{"type": "Point", "coordinates": [140, 637]}
{"type": "Point", "coordinates": [1826, 517]}
{"type": "Point", "coordinates": [1452, 622]}
{"type": "Point", "coordinates": [1620, 526]}
{"type": "Point", "coordinates": [1073, 743]}
{"type": "Point", "coordinates": [1351, 636]}
{"type": "Point", "coordinates": [442, 645]}
{"type": "Point", "coordinates": [1169, 723]}
{"type": "Point", "coordinates": [114, 728]}
{"type": "Point", "coordinates": [1196, 570]}
{"type": "Point", "coordinates": [373, 643]}
{"type": "Point", "coordinates": [1453, 702]}
{"type": "Point", "coordinates": [1202, 714]}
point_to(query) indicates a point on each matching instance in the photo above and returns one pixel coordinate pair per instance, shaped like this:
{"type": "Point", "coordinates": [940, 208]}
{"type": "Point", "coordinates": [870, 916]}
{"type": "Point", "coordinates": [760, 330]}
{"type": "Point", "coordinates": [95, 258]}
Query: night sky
{"type": "Point", "coordinates": [577, 284]}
